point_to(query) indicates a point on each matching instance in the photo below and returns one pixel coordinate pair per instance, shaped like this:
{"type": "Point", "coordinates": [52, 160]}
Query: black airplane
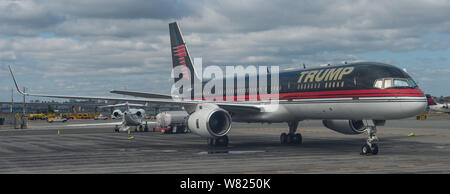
{"type": "Point", "coordinates": [350, 99]}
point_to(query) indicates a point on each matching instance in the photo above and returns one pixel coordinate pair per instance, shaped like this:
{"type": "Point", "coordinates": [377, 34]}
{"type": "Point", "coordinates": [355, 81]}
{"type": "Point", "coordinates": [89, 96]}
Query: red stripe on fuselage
{"type": "Point", "coordinates": [329, 94]}
{"type": "Point", "coordinates": [350, 93]}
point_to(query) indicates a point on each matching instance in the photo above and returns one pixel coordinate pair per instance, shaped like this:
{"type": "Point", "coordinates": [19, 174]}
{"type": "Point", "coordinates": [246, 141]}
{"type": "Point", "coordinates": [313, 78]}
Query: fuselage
{"type": "Point", "coordinates": [133, 117]}
{"type": "Point", "coordinates": [364, 90]}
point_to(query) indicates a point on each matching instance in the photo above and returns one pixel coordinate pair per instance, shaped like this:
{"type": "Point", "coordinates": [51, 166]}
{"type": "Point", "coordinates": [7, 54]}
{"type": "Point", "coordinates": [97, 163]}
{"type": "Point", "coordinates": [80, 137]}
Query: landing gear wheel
{"type": "Point", "coordinates": [218, 142]}
{"type": "Point", "coordinates": [365, 150]}
{"type": "Point", "coordinates": [295, 139]}
{"type": "Point", "coordinates": [211, 141]}
{"type": "Point", "coordinates": [298, 139]}
{"type": "Point", "coordinates": [370, 147]}
{"type": "Point", "coordinates": [222, 141]}
{"type": "Point", "coordinates": [290, 139]}
{"type": "Point", "coordinates": [374, 149]}
{"type": "Point", "coordinates": [283, 138]}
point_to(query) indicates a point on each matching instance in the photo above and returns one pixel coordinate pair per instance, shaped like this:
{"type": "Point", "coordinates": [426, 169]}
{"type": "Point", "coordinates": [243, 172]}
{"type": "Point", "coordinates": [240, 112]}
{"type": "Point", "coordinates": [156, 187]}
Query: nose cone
{"type": "Point", "coordinates": [416, 106]}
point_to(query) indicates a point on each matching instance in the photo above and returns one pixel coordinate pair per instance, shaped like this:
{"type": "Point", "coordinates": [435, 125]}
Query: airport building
{"type": "Point", "coordinates": [72, 106]}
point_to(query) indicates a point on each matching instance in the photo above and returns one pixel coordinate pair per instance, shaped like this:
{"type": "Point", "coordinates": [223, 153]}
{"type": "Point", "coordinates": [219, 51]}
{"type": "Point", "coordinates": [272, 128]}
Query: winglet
{"type": "Point", "coordinates": [15, 82]}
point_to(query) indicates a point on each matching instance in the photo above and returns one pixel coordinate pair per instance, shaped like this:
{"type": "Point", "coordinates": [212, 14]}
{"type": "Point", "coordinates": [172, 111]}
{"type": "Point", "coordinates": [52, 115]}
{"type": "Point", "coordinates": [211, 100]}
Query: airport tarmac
{"type": "Point", "coordinates": [253, 149]}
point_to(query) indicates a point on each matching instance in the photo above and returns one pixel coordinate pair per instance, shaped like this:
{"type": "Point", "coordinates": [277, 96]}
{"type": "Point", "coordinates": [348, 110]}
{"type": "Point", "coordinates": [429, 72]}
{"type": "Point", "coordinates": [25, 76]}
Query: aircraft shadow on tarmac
{"type": "Point", "coordinates": [392, 145]}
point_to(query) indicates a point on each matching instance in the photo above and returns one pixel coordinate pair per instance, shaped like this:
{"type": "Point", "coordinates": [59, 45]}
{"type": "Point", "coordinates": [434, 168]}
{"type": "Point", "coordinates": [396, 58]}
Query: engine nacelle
{"type": "Point", "coordinates": [138, 112]}
{"type": "Point", "coordinates": [349, 127]}
{"type": "Point", "coordinates": [117, 113]}
{"type": "Point", "coordinates": [209, 120]}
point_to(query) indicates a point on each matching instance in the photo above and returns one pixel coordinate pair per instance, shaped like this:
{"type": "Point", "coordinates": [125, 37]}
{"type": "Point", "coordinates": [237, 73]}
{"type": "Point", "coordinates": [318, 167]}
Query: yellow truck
{"type": "Point", "coordinates": [80, 115]}
{"type": "Point", "coordinates": [40, 116]}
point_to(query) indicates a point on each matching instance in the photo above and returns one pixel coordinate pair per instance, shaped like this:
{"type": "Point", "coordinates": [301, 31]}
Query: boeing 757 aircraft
{"type": "Point", "coordinates": [350, 99]}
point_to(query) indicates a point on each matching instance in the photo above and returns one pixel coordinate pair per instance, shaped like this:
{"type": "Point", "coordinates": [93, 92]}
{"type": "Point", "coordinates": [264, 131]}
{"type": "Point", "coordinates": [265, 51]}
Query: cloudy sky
{"type": "Point", "coordinates": [85, 47]}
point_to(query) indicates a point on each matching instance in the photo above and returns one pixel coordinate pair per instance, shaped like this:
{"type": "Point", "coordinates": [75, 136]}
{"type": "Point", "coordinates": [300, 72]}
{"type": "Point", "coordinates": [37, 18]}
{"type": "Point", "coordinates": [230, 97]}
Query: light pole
{"type": "Point", "coordinates": [24, 117]}
{"type": "Point", "coordinates": [12, 100]}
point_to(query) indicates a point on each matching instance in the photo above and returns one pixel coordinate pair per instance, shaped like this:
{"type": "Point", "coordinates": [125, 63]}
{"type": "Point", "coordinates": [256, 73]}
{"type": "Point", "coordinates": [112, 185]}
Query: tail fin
{"type": "Point", "coordinates": [430, 100]}
{"type": "Point", "coordinates": [180, 54]}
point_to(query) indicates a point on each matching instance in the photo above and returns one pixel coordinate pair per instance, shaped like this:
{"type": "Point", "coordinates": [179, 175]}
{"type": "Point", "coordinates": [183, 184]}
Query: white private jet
{"type": "Point", "coordinates": [437, 107]}
{"type": "Point", "coordinates": [130, 117]}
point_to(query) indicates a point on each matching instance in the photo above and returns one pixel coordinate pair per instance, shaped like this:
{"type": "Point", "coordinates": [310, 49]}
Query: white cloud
{"type": "Point", "coordinates": [7, 56]}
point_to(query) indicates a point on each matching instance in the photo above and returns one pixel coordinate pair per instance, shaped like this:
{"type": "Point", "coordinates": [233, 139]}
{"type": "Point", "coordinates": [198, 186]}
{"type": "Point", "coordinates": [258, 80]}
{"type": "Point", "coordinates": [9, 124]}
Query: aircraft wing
{"type": "Point", "coordinates": [141, 94]}
{"type": "Point", "coordinates": [229, 106]}
{"type": "Point", "coordinates": [232, 107]}
{"type": "Point", "coordinates": [241, 108]}
{"type": "Point", "coordinates": [106, 124]}
{"type": "Point", "coordinates": [124, 105]}
{"type": "Point", "coordinates": [94, 124]}
{"type": "Point", "coordinates": [75, 126]}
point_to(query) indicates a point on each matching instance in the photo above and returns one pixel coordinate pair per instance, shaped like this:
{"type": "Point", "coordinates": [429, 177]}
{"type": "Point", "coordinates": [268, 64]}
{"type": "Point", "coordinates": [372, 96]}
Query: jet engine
{"type": "Point", "coordinates": [348, 127]}
{"type": "Point", "coordinates": [209, 121]}
{"type": "Point", "coordinates": [117, 113]}
{"type": "Point", "coordinates": [139, 112]}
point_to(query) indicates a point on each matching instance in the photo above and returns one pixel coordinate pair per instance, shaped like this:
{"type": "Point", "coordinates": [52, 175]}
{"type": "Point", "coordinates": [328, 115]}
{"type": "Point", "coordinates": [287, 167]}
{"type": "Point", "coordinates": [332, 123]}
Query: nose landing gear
{"type": "Point", "coordinates": [370, 147]}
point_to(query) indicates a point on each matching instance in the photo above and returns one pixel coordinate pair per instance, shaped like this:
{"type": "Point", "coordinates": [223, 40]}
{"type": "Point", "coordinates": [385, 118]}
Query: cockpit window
{"type": "Point", "coordinates": [413, 84]}
{"type": "Point", "coordinates": [401, 83]}
{"type": "Point", "coordinates": [387, 83]}
{"type": "Point", "coordinates": [394, 82]}
{"type": "Point", "coordinates": [379, 84]}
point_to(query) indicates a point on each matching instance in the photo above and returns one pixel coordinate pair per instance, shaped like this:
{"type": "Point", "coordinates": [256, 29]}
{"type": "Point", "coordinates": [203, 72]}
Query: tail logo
{"type": "Point", "coordinates": [180, 52]}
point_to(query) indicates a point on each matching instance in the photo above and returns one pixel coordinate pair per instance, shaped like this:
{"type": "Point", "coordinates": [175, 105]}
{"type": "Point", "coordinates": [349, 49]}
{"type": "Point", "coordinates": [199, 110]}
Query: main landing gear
{"type": "Point", "coordinates": [291, 138]}
{"type": "Point", "coordinates": [218, 141]}
{"type": "Point", "coordinates": [370, 147]}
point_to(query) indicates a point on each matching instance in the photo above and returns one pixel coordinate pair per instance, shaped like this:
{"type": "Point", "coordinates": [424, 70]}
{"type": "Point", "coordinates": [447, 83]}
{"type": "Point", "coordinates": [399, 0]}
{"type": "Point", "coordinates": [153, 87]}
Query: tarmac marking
{"type": "Point", "coordinates": [406, 165]}
{"type": "Point", "coordinates": [376, 167]}
{"type": "Point", "coordinates": [285, 171]}
{"type": "Point", "coordinates": [252, 173]}
{"type": "Point", "coordinates": [316, 170]}
{"type": "Point", "coordinates": [347, 168]}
